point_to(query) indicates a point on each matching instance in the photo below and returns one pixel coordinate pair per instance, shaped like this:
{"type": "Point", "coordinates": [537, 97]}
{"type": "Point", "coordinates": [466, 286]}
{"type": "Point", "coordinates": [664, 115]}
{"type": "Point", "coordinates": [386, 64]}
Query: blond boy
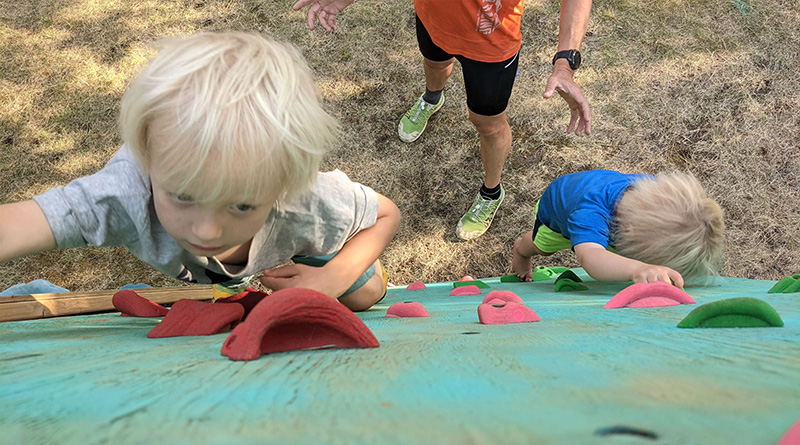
{"type": "Point", "coordinates": [625, 227]}
{"type": "Point", "coordinates": [217, 179]}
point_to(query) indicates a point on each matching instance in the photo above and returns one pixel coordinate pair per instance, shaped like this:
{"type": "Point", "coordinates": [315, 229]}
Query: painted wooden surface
{"type": "Point", "coordinates": [443, 379]}
{"type": "Point", "coordinates": [29, 307]}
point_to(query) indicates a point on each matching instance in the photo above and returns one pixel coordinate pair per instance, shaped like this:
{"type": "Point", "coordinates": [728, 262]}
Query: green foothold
{"type": "Point", "coordinates": [539, 275]}
{"type": "Point", "coordinates": [568, 275]}
{"type": "Point", "coordinates": [741, 312]}
{"type": "Point", "coordinates": [480, 284]}
{"type": "Point", "coordinates": [567, 284]}
{"type": "Point", "coordinates": [544, 270]}
{"type": "Point", "coordinates": [786, 285]}
{"type": "Point", "coordinates": [558, 269]}
{"type": "Point", "coordinates": [510, 279]}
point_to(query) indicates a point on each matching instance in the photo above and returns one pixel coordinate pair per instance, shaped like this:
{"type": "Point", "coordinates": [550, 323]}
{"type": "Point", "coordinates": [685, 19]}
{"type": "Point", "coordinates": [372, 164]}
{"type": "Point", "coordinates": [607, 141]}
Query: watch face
{"type": "Point", "coordinates": [575, 60]}
{"type": "Point", "coordinates": [573, 57]}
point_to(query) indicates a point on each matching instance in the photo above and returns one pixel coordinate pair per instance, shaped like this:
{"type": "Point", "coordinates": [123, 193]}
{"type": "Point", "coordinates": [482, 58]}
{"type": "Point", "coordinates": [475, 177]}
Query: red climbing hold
{"type": "Point", "coordinates": [190, 317]}
{"type": "Point", "coordinates": [503, 296]}
{"type": "Point", "coordinates": [466, 290]}
{"type": "Point", "coordinates": [407, 309]}
{"type": "Point", "coordinates": [249, 298]}
{"type": "Point", "coordinates": [656, 294]}
{"type": "Point", "coordinates": [131, 304]}
{"type": "Point", "coordinates": [417, 285]}
{"type": "Point", "coordinates": [294, 319]}
{"type": "Point", "coordinates": [506, 313]}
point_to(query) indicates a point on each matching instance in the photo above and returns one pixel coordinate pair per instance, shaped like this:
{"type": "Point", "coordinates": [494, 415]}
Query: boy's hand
{"type": "Point", "coordinates": [306, 277]}
{"type": "Point", "coordinates": [603, 265]}
{"type": "Point", "coordinates": [649, 273]}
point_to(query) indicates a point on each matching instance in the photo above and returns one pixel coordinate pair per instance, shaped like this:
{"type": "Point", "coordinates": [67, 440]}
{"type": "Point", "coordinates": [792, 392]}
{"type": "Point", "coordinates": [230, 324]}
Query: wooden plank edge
{"type": "Point", "coordinates": [35, 306]}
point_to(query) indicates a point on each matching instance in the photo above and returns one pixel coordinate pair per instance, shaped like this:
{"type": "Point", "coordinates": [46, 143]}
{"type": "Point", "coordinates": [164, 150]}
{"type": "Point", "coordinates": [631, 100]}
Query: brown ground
{"type": "Point", "coordinates": [709, 87]}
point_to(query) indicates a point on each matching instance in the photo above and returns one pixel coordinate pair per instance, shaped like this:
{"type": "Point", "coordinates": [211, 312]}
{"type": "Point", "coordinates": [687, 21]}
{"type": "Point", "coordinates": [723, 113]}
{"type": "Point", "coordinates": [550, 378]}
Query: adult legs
{"type": "Point", "coordinates": [495, 143]}
{"type": "Point", "coordinates": [437, 73]}
{"type": "Point", "coordinates": [488, 87]}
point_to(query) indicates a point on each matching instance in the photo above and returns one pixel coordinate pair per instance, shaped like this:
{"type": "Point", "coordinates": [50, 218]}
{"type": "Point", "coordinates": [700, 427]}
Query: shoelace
{"type": "Point", "coordinates": [423, 107]}
{"type": "Point", "coordinates": [477, 209]}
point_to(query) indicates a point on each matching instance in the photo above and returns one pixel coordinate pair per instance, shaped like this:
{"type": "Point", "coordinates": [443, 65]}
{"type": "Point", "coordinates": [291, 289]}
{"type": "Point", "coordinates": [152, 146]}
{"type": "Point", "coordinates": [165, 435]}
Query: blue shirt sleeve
{"type": "Point", "coordinates": [580, 206]}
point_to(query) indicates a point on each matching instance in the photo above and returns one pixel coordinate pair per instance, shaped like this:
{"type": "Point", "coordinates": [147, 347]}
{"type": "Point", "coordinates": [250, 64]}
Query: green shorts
{"type": "Point", "coordinates": [546, 239]}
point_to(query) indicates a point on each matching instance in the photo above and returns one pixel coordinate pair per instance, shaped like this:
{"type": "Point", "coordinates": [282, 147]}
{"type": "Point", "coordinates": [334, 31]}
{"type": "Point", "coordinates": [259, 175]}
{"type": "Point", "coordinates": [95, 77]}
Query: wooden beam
{"type": "Point", "coordinates": [29, 307]}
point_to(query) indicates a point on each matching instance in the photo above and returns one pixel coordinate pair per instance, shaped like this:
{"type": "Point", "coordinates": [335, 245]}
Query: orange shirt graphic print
{"type": "Point", "coordinates": [488, 17]}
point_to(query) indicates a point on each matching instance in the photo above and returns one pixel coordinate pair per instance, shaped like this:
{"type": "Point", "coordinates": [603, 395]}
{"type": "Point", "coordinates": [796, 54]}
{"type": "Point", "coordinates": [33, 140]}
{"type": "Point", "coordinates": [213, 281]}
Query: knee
{"type": "Point", "coordinates": [365, 296]}
{"type": "Point", "coordinates": [490, 125]}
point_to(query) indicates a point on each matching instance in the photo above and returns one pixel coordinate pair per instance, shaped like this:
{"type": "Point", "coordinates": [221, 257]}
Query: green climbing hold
{"type": "Point", "coordinates": [568, 284]}
{"type": "Point", "coordinates": [569, 281]}
{"type": "Point", "coordinates": [741, 312]}
{"type": "Point", "coordinates": [569, 275]}
{"type": "Point", "coordinates": [786, 285]}
{"type": "Point", "coordinates": [480, 284]}
{"type": "Point", "coordinates": [510, 279]}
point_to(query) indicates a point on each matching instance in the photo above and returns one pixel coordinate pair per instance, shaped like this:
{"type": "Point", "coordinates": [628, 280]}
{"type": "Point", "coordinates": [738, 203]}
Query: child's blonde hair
{"type": "Point", "coordinates": [670, 221]}
{"type": "Point", "coordinates": [235, 117]}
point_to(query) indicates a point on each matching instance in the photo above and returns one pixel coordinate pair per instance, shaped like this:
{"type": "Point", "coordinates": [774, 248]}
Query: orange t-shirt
{"type": "Point", "coordinates": [482, 30]}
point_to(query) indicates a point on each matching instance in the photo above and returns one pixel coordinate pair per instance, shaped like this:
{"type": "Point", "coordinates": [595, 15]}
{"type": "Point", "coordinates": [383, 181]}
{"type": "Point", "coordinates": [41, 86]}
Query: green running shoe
{"type": "Point", "coordinates": [416, 119]}
{"type": "Point", "coordinates": [479, 217]}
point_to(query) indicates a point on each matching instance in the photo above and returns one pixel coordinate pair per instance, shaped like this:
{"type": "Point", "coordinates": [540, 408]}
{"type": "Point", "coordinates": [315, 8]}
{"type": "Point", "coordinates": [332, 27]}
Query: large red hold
{"type": "Point", "coordinates": [294, 319]}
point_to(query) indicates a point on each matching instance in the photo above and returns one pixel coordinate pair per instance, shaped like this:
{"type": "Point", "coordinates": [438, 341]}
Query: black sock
{"type": "Point", "coordinates": [490, 193]}
{"type": "Point", "coordinates": [432, 97]}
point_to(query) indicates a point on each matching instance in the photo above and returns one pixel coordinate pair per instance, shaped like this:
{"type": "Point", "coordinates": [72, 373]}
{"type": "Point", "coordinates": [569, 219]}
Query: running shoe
{"type": "Point", "coordinates": [416, 119]}
{"type": "Point", "coordinates": [479, 217]}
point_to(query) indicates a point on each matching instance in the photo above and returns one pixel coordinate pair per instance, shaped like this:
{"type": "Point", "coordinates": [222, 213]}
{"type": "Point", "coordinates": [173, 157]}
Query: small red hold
{"type": "Point", "coordinates": [191, 317]}
{"type": "Point", "coordinates": [295, 319]}
{"type": "Point", "coordinates": [466, 290]}
{"type": "Point", "coordinates": [467, 278]}
{"type": "Point", "coordinates": [503, 296]}
{"type": "Point", "coordinates": [656, 294]}
{"type": "Point", "coordinates": [407, 309]}
{"type": "Point", "coordinates": [791, 436]}
{"type": "Point", "coordinates": [506, 313]}
{"type": "Point", "coordinates": [131, 304]}
{"type": "Point", "coordinates": [417, 285]}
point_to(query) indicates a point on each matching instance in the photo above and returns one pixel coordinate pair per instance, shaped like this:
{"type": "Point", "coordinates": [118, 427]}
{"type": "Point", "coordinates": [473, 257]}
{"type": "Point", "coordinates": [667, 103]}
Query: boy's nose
{"type": "Point", "coordinates": [207, 227]}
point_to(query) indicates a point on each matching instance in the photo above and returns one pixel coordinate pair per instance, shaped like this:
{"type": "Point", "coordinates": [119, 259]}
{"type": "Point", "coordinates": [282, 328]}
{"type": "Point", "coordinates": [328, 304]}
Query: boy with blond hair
{"type": "Point", "coordinates": [217, 179]}
{"type": "Point", "coordinates": [626, 227]}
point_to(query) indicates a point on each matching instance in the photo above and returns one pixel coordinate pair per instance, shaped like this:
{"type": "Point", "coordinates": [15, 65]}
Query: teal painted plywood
{"type": "Point", "coordinates": [441, 379]}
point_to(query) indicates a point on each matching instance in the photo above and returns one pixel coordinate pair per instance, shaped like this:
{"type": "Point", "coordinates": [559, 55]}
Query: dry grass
{"type": "Point", "coordinates": [710, 87]}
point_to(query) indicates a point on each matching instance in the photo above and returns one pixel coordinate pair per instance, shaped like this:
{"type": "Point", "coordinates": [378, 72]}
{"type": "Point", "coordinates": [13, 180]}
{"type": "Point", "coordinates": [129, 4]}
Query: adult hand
{"type": "Point", "coordinates": [323, 10]}
{"type": "Point", "coordinates": [561, 81]}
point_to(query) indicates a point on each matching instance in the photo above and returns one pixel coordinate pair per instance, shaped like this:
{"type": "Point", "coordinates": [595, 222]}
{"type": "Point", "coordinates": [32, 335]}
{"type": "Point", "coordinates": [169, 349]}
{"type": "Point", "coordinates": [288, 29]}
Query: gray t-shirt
{"type": "Point", "coordinates": [115, 207]}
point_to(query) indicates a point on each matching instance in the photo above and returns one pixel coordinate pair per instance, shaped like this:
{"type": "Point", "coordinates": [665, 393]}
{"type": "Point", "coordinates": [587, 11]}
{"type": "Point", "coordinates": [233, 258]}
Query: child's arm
{"type": "Point", "coordinates": [603, 265]}
{"type": "Point", "coordinates": [343, 270]}
{"type": "Point", "coordinates": [24, 230]}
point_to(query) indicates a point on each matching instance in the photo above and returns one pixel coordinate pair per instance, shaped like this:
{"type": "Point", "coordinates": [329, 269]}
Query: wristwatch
{"type": "Point", "coordinates": [573, 56]}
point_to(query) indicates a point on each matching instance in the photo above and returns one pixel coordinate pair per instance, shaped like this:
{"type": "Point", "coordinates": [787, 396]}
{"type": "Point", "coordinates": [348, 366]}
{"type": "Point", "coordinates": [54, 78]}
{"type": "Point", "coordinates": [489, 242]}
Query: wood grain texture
{"type": "Point", "coordinates": [29, 307]}
{"type": "Point", "coordinates": [445, 379]}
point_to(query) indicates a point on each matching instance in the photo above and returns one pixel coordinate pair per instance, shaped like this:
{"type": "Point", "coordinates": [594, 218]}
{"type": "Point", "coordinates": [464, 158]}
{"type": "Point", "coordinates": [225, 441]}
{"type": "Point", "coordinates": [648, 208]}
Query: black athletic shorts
{"type": "Point", "coordinates": [488, 85]}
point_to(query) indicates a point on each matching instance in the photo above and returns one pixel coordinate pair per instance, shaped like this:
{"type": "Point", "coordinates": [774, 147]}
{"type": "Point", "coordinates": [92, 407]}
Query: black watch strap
{"type": "Point", "coordinates": [573, 56]}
